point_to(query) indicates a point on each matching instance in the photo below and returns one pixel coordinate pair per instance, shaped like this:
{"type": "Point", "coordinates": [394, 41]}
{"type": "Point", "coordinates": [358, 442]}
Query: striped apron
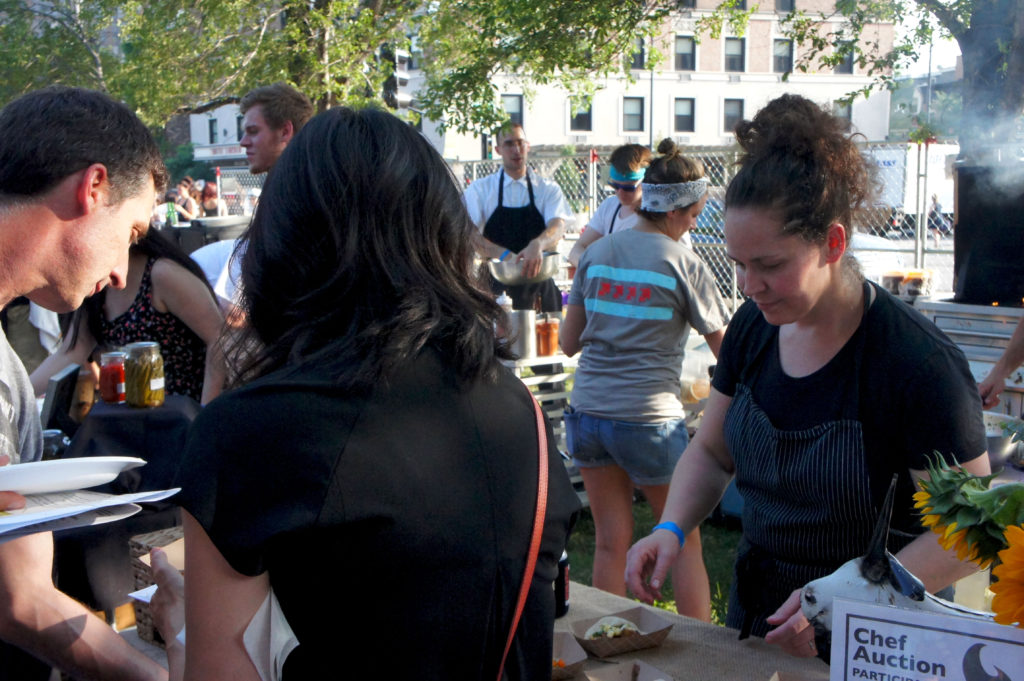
{"type": "Point", "coordinates": [807, 499]}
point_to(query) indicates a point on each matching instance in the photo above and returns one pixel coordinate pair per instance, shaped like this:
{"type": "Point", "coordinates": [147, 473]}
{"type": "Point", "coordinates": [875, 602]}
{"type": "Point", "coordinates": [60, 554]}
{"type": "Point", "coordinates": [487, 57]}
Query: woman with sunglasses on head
{"type": "Point", "coordinates": [826, 386]}
{"type": "Point", "coordinates": [634, 299]}
{"type": "Point", "coordinates": [618, 211]}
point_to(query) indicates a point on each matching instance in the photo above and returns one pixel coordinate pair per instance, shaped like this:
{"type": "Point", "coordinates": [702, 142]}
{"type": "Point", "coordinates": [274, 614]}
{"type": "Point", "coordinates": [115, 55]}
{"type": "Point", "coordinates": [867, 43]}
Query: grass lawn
{"type": "Point", "coordinates": [719, 541]}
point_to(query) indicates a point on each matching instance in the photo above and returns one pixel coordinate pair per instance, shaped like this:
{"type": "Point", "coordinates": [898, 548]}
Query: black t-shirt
{"type": "Point", "coordinates": [394, 528]}
{"type": "Point", "coordinates": [916, 395]}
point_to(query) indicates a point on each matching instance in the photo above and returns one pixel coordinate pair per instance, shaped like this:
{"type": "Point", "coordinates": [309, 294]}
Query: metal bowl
{"type": "Point", "coordinates": [1001, 446]}
{"type": "Point", "coordinates": [510, 272]}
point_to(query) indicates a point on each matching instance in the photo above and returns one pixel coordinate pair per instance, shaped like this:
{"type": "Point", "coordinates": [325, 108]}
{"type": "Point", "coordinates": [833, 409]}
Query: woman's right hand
{"type": "Point", "coordinates": [648, 563]}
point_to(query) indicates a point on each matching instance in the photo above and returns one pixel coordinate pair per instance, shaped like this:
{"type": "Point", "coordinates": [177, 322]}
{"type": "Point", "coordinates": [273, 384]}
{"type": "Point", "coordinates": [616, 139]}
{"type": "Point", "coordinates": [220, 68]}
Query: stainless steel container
{"type": "Point", "coordinates": [522, 333]}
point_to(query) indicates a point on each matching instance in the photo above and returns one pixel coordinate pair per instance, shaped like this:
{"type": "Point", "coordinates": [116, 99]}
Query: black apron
{"type": "Point", "coordinates": [808, 505]}
{"type": "Point", "coordinates": [514, 229]}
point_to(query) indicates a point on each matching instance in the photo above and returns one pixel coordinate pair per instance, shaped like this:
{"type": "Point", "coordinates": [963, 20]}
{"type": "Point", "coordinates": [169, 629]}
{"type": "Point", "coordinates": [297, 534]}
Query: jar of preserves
{"type": "Point", "coordinates": [547, 335]}
{"type": "Point", "coordinates": [144, 375]}
{"type": "Point", "coordinates": [112, 377]}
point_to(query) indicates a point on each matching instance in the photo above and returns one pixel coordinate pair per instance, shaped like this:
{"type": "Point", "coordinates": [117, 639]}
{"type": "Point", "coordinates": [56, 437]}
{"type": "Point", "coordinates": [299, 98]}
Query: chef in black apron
{"type": "Point", "coordinates": [807, 407]}
{"type": "Point", "coordinates": [509, 232]}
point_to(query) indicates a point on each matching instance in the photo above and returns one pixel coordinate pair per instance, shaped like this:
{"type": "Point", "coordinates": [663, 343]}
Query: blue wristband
{"type": "Point", "coordinates": [504, 255]}
{"type": "Point", "coordinates": [674, 529]}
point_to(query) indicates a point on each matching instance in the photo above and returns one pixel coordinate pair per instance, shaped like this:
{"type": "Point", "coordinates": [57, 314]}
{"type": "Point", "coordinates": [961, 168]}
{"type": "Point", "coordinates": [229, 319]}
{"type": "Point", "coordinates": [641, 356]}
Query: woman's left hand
{"type": "Point", "coordinates": [793, 633]}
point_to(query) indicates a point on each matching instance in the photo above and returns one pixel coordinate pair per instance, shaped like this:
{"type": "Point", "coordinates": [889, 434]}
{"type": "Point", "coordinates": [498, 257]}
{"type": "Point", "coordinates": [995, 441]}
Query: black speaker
{"type": "Point", "coordinates": [988, 241]}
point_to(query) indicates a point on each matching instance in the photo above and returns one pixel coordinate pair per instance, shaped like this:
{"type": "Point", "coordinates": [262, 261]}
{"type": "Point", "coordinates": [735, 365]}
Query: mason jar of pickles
{"type": "Point", "coordinates": [144, 374]}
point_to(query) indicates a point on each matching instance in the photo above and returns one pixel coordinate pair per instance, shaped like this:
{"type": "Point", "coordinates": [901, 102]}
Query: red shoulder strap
{"type": "Point", "coordinates": [538, 529]}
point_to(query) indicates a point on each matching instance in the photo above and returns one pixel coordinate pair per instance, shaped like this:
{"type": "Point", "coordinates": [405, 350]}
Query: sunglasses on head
{"type": "Point", "coordinates": [624, 187]}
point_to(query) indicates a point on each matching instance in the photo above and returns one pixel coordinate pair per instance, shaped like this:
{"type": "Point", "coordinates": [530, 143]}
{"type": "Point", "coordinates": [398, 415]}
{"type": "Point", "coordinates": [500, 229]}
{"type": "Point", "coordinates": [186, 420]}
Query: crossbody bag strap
{"type": "Point", "coordinates": [538, 529]}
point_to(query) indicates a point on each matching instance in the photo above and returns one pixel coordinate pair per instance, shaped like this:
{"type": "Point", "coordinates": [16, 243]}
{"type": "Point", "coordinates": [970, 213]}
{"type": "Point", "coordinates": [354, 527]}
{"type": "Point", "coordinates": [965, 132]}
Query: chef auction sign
{"type": "Point", "coordinates": [880, 643]}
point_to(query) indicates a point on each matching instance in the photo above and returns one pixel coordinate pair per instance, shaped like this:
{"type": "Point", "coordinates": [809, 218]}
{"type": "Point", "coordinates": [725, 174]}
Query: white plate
{"type": "Point", "coordinates": [62, 475]}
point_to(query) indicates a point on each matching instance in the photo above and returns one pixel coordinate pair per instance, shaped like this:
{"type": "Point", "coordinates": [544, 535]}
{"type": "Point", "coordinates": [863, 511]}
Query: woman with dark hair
{"type": "Point", "coordinates": [826, 386]}
{"type": "Point", "coordinates": [210, 203]}
{"type": "Point", "coordinates": [166, 299]}
{"type": "Point", "coordinates": [374, 479]}
{"type": "Point", "coordinates": [634, 299]}
{"type": "Point", "coordinates": [618, 211]}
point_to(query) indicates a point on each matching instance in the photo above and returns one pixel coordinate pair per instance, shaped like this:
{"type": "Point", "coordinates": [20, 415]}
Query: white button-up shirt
{"type": "Point", "coordinates": [481, 198]}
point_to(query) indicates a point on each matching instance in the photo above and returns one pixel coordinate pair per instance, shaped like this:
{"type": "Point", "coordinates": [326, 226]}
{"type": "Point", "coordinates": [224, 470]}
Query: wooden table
{"type": "Point", "coordinates": [694, 650]}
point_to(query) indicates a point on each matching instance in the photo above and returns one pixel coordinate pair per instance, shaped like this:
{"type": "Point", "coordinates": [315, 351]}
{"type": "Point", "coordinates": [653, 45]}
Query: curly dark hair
{"type": "Point", "coordinates": [800, 161]}
{"type": "Point", "coordinates": [671, 167]}
{"type": "Point", "coordinates": [360, 254]}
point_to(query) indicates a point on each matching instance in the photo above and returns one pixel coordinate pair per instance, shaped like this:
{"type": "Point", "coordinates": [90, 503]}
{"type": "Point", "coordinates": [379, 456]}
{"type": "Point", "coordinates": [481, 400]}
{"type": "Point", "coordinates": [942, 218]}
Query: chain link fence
{"type": "Point", "coordinates": [891, 232]}
{"type": "Point", "coordinates": [240, 189]}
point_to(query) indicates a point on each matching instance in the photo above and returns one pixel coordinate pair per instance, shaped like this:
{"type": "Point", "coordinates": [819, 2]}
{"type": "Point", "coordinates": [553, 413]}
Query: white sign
{"type": "Point", "coordinates": [881, 643]}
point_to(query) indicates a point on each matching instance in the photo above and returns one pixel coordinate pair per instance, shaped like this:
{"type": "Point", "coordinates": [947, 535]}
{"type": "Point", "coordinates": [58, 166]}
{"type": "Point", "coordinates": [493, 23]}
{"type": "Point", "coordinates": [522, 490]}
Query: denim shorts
{"type": "Point", "coordinates": [648, 452]}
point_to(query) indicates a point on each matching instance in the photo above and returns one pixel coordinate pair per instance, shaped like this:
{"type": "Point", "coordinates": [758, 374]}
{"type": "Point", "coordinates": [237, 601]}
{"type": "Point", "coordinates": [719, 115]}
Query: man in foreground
{"type": "Point", "coordinates": [78, 176]}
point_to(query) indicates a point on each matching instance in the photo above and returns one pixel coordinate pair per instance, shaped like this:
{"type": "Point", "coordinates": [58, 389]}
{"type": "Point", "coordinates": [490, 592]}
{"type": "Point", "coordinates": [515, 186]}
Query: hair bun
{"type": "Point", "coordinates": [667, 147]}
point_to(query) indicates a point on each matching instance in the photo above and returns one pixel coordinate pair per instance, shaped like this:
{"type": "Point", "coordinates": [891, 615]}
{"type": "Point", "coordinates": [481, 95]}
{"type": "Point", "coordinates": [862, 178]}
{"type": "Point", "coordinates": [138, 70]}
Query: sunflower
{"type": "Point", "coordinates": [1008, 603]}
{"type": "Point", "coordinates": [969, 517]}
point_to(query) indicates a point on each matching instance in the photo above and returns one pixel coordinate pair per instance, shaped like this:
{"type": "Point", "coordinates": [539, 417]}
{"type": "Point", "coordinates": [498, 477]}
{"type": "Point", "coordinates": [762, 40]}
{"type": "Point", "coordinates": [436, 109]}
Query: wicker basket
{"type": "Point", "coordinates": [139, 546]}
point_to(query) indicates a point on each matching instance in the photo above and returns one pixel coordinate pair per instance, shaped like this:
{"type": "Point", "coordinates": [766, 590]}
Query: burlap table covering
{"type": "Point", "coordinates": [694, 650]}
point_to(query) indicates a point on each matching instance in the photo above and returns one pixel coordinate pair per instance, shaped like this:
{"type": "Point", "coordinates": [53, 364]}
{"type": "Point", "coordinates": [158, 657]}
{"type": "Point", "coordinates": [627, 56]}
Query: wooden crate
{"type": "Point", "coordinates": [140, 545]}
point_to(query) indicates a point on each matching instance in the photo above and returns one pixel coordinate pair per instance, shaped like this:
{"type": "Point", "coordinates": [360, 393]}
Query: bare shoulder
{"type": "Point", "coordinates": [166, 271]}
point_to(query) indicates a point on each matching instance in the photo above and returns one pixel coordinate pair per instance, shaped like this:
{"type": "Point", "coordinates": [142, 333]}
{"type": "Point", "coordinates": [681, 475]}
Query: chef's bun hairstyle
{"type": "Point", "coordinates": [800, 161]}
{"type": "Point", "coordinates": [671, 167]}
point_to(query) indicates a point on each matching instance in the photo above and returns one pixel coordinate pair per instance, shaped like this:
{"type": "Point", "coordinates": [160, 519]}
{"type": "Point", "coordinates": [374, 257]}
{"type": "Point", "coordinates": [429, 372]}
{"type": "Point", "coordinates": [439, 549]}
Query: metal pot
{"type": "Point", "coordinates": [522, 333]}
{"type": "Point", "coordinates": [510, 272]}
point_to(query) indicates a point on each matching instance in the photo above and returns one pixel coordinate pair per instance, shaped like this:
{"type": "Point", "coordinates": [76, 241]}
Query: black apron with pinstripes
{"type": "Point", "coordinates": [807, 501]}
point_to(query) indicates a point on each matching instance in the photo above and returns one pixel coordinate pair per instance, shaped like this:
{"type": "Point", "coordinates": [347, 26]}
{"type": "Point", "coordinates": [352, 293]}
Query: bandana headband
{"type": "Point", "coordinates": [661, 198]}
{"type": "Point", "coordinates": [631, 176]}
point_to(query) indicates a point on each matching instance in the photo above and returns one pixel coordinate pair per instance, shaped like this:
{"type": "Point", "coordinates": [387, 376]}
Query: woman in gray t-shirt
{"type": "Point", "coordinates": [635, 296]}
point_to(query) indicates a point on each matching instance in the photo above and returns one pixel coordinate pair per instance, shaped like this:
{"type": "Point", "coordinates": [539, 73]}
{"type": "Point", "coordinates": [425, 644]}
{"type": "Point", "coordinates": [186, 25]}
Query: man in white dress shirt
{"type": "Point", "coordinates": [520, 216]}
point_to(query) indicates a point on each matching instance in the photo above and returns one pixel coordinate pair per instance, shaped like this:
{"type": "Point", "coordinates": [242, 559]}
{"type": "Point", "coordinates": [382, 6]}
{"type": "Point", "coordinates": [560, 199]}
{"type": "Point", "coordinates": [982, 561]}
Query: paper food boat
{"type": "Point", "coordinates": [570, 652]}
{"type": "Point", "coordinates": [628, 671]}
{"type": "Point", "coordinates": [653, 632]}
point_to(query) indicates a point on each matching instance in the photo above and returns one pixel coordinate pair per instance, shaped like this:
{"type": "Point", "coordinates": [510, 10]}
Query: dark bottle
{"type": "Point", "coordinates": [562, 586]}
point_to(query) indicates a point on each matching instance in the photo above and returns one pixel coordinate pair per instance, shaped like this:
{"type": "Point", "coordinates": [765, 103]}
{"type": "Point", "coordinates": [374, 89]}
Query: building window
{"type": "Point", "coordinates": [686, 53]}
{"type": "Point", "coordinates": [212, 123]}
{"type": "Point", "coordinates": [843, 111]}
{"type": "Point", "coordinates": [513, 105]}
{"type": "Point", "coordinates": [782, 56]}
{"type": "Point", "coordinates": [734, 53]}
{"type": "Point", "coordinates": [785, 5]}
{"type": "Point", "coordinates": [684, 115]}
{"type": "Point", "coordinates": [687, 4]}
{"type": "Point", "coordinates": [581, 117]}
{"type": "Point", "coordinates": [733, 114]}
{"type": "Point", "coordinates": [637, 58]}
{"type": "Point", "coordinates": [632, 114]}
{"type": "Point", "coordinates": [846, 65]}
{"type": "Point", "coordinates": [239, 127]}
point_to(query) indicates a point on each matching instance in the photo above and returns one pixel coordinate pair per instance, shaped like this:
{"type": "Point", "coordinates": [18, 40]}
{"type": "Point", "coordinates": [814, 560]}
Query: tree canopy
{"type": "Point", "coordinates": [164, 57]}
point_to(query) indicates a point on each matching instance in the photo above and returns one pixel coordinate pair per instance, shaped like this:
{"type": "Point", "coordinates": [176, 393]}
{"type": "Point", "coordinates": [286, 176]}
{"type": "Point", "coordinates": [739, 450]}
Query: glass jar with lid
{"type": "Point", "coordinates": [112, 377]}
{"type": "Point", "coordinates": [144, 374]}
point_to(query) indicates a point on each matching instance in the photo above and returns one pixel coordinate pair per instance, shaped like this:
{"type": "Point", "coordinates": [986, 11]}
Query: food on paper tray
{"type": "Point", "coordinates": [612, 627]}
{"type": "Point", "coordinates": [558, 664]}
